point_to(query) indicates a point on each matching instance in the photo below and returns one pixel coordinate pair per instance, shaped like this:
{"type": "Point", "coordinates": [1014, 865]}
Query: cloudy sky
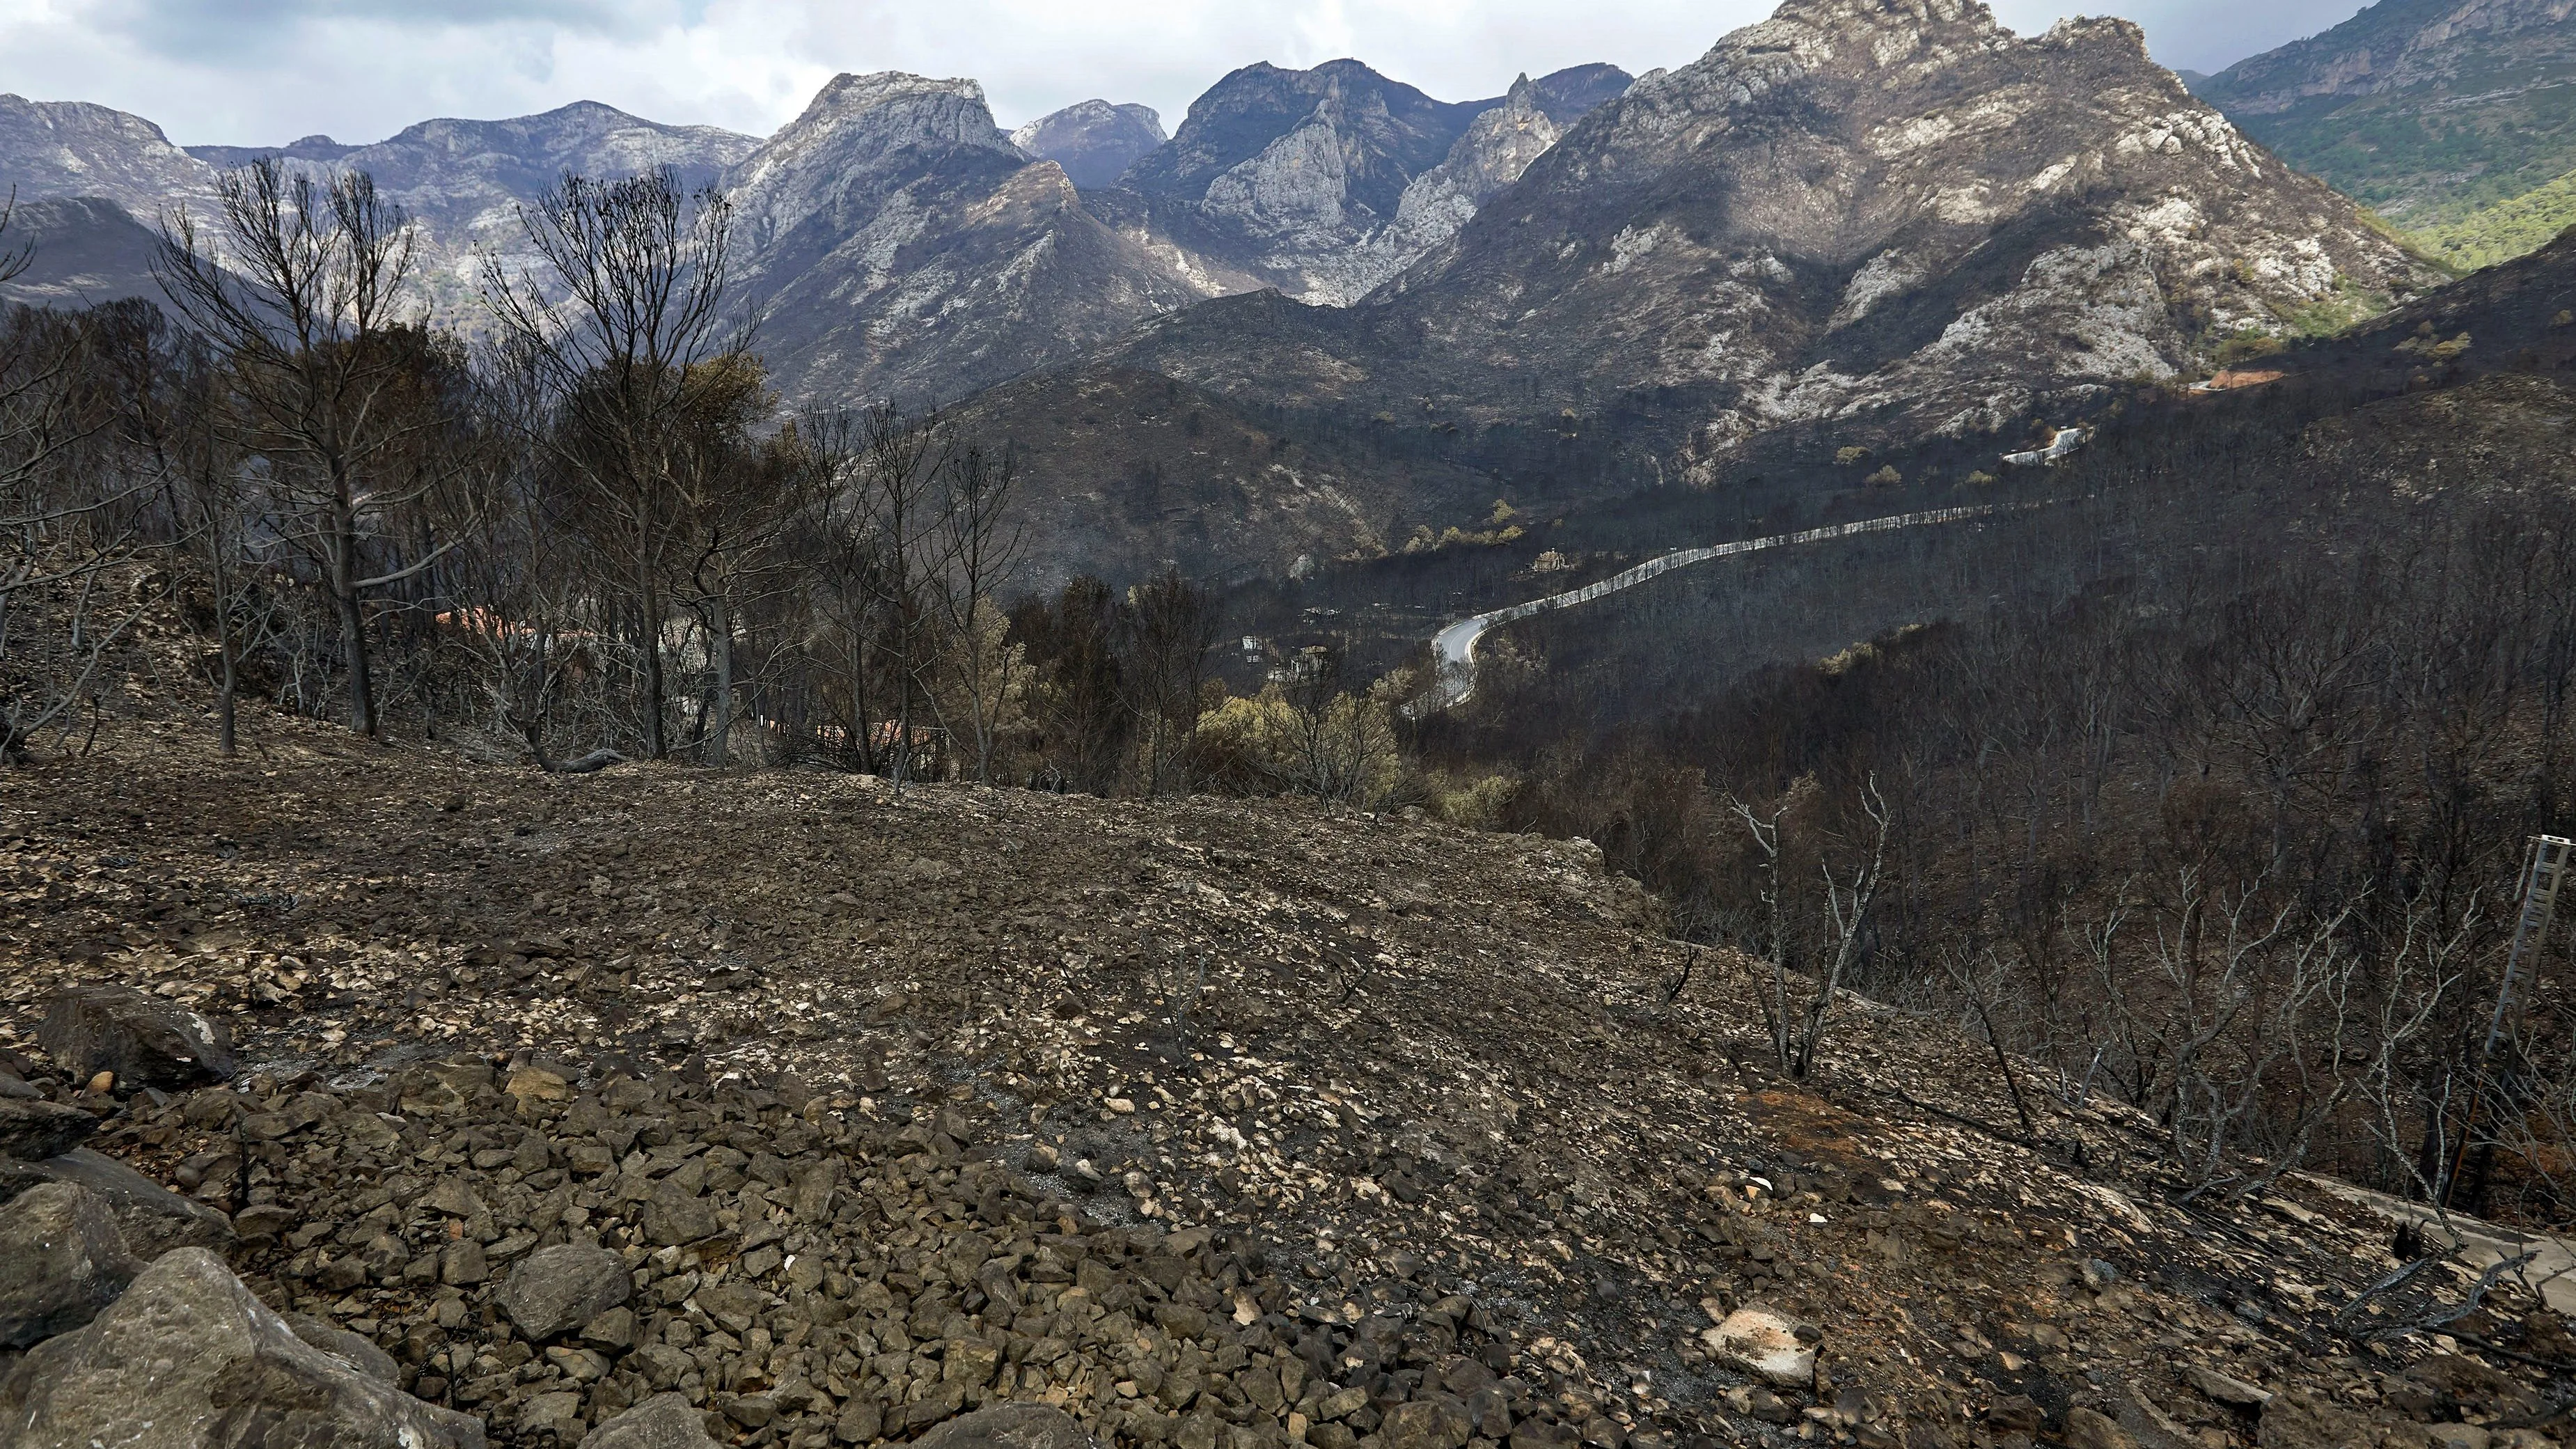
{"type": "Point", "coordinates": [266, 71]}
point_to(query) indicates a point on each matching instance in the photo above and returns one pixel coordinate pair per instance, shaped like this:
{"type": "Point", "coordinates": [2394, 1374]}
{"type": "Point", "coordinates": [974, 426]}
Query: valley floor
{"type": "Point", "coordinates": [1457, 1127]}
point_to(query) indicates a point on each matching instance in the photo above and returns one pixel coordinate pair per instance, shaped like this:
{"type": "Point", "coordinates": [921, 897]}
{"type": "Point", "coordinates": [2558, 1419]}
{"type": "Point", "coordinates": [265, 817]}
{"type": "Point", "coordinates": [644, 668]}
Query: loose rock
{"type": "Point", "coordinates": [61, 1261]}
{"type": "Point", "coordinates": [188, 1357]}
{"type": "Point", "coordinates": [664, 1421]}
{"type": "Point", "coordinates": [556, 1290]}
{"type": "Point", "coordinates": [143, 1040]}
{"type": "Point", "coordinates": [36, 1129]}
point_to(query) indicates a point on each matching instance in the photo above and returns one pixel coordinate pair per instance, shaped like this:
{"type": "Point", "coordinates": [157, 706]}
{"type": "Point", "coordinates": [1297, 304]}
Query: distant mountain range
{"type": "Point", "coordinates": [2455, 119]}
{"type": "Point", "coordinates": [1328, 310]}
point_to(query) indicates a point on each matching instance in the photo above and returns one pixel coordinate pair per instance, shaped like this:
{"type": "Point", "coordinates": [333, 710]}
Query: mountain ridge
{"type": "Point", "coordinates": [2439, 113]}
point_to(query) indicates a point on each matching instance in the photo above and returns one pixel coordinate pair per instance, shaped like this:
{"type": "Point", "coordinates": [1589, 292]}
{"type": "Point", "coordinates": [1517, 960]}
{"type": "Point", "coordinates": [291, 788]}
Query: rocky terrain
{"type": "Point", "coordinates": [1094, 141]}
{"type": "Point", "coordinates": [902, 245]}
{"type": "Point", "coordinates": [464, 181]}
{"type": "Point", "coordinates": [1306, 180]}
{"type": "Point", "coordinates": [461, 180]}
{"type": "Point", "coordinates": [843, 1114]}
{"type": "Point", "coordinates": [1865, 221]}
{"type": "Point", "coordinates": [2435, 112]}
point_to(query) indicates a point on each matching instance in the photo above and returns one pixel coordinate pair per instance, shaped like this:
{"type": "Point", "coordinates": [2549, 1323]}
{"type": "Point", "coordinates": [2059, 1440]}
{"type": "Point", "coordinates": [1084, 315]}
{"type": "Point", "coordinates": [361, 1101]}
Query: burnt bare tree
{"type": "Point", "coordinates": [300, 287]}
{"type": "Point", "coordinates": [1166, 632]}
{"type": "Point", "coordinates": [627, 331]}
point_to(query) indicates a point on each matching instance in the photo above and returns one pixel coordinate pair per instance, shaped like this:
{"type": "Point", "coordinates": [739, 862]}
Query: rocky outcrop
{"type": "Point", "coordinates": [1093, 141]}
{"type": "Point", "coordinates": [315, 147]}
{"type": "Point", "coordinates": [664, 1421]}
{"type": "Point", "coordinates": [2394, 45]}
{"type": "Point", "coordinates": [464, 181]}
{"type": "Point", "coordinates": [137, 1039]}
{"type": "Point", "coordinates": [906, 247]}
{"type": "Point", "coordinates": [61, 1261]}
{"type": "Point", "coordinates": [188, 1357]}
{"type": "Point", "coordinates": [1498, 146]}
{"type": "Point", "coordinates": [1304, 180]}
{"type": "Point", "coordinates": [35, 1128]}
{"type": "Point", "coordinates": [56, 149]}
{"type": "Point", "coordinates": [151, 1218]}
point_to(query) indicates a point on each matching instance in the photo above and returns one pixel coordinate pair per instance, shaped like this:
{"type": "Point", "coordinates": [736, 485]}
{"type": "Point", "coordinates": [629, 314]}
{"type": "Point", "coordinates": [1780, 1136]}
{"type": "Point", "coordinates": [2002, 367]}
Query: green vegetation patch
{"type": "Point", "coordinates": [2509, 229]}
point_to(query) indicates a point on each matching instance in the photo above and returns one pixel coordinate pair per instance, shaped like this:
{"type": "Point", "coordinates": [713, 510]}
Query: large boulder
{"type": "Point", "coordinates": [189, 1359]}
{"type": "Point", "coordinates": [1010, 1426]}
{"type": "Point", "coordinates": [664, 1421]}
{"type": "Point", "coordinates": [556, 1290]}
{"type": "Point", "coordinates": [1765, 1343]}
{"type": "Point", "coordinates": [61, 1261]}
{"type": "Point", "coordinates": [34, 1128]}
{"type": "Point", "coordinates": [152, 1218]}
{"type": "Point", "coordinates": [354, 1349]}
{"type": "Point", "coordinates": [144, 1040]}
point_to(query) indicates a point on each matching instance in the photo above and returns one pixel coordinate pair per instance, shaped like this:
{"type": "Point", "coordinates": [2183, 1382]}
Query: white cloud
{"type": "Point", "coordinates": [249, 71]}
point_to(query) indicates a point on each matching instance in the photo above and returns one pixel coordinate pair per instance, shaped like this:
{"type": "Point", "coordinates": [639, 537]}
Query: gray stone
{"type": "Point", "coordinates": [675, 1215]}
{"type": "Point", "coordinates": [355, 1350]}
{"type": "Point", "coordinates": [2233, 1392]}
{"type": "Point", "coordinates": [1433, 1422]}
{"type": "Point", "coordinates": [38, 1129]}
{"type": "Point", "coordinates": [144, 1040]}
{"type": "Point", "coordinates": [61, 1261]}
{"type": "Point", "coordinates": [556, 1290]}
{"type": "Point", "coordinates": [152, 1218]}
{"type": "Point", "coordinates": [1010, 1426]}
{"type": "Point", "coordinates": [189, 1358]}
{"type": "Point", "coordinates": [664, 1421]}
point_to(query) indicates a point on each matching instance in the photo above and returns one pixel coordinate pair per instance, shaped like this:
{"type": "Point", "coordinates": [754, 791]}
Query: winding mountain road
{"type": "Point", "coordinates": [1455, 646]}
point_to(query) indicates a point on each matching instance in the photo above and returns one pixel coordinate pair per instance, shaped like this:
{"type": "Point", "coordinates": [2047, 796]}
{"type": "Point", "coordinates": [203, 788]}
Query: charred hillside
{"type": "Point", "coordinates": [1204, 1122]}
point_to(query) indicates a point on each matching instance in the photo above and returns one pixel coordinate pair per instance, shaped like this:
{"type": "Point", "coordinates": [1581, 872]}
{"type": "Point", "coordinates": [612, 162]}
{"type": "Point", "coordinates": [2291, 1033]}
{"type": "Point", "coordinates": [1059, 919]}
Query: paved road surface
{"type": "Point", "coordinates": [1455, 646]}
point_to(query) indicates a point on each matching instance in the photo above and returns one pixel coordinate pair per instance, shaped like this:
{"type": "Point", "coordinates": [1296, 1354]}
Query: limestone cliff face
{"type": "Point", "coordinates": [464, 181]}
{"type": "Point", "coordinates": [461, 181]}
{"type": "Point", "coordinates": [1888, 211]}
{"type": "Point", "coordinates": [1300, 179]}
{"type": "Point", "coordinates": [1093, 141]}
{"type": "Point", "coordinates": [2395, 45]}
{"type": "Point", "coordinates": [905, 247]}
{"type": "Point", "coordinates": [1498, 146]}
{"type": "Point", "coordinates": [51, 150]}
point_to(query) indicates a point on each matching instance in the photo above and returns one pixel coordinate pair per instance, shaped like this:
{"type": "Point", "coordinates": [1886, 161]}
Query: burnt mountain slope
{"type": "Point", "coordinates": [2427, 110]}
{"type": "Point", "coordinates": [1435, 1143]}
{"type": "Point", "coordinates": [1876, 219]}
{"type": "Point", "coordinates": [85, 251]}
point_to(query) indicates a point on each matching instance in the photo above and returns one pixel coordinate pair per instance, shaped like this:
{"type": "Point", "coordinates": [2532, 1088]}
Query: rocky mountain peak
{"type": "Point", "coordinates": [1094, 141]}
{"type": "Point", "coordinates": [51, 149]}
{"type": "Point", "coordinates": [858, 131]}
{"type": "Point", "coordinates": [2398, 44]}
{"type": "Point", "coordinates": [1397, 132]}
